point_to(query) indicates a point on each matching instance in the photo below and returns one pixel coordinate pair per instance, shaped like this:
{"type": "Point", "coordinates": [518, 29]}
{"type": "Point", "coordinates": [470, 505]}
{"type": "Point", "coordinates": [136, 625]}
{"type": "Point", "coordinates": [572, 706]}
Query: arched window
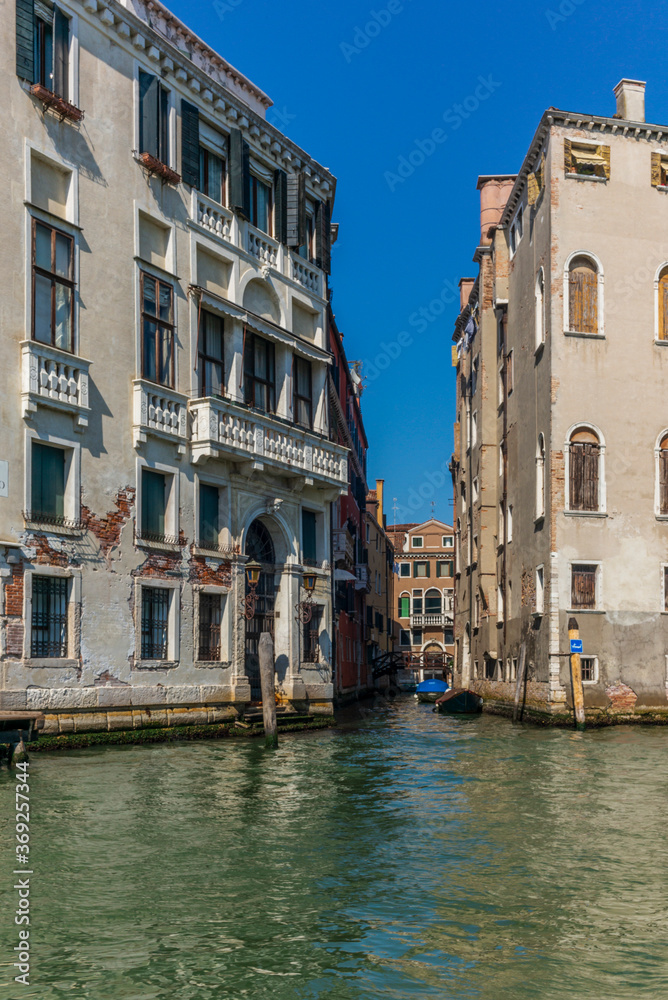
{"type": "Point", "coordinates": [540, 477]}
{"type": "Point", "coordinates": [584, 470]}
{"type": "Point", "coordinates": [432, 602]}
{"type": "Point", "coordinates": [662, 304]}
{"type": "Point", "coordinates": [405, 606]}
{"type": "Point", "coordinates": [583, 305]}
{"type": "Point", "coordinates": [540, 309]}
{"type": "Point", "coordinates": [662, 458]}
{"type": "Point", "coordinates": [259, 545]}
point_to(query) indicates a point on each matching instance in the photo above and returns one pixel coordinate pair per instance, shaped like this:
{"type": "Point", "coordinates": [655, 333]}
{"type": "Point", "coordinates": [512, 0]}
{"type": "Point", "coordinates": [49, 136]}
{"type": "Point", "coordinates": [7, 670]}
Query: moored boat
{"type": "Point", "coordinates": [459, 701]}
{"type": "Point", "coordinates": [431, 689]}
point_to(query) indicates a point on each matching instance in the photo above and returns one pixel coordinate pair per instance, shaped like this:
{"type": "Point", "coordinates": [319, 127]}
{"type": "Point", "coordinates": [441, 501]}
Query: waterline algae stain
{"type": "Point", "coordinates": [409, 854]}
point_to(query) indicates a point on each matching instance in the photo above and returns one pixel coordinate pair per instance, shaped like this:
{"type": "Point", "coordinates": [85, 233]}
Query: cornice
{"type": "Point", "coordinates": [176, 66]}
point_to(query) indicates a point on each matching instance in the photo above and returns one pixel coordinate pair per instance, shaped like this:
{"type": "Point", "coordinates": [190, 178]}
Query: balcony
{"type": "Point", "coordinates": [363, 577]}
{"type": "Point", "coordinates": [213, 218]}
{"type": "Point", "coordinates": [221, 428]}
{"type": "Point", "coordinates": [262, 247]}
{"type": "Point", "coordinates": [343, 545]}
{"type": "Point", "coordinates": [55, 378]}
{"type": "Point", "coordinates": [159, 412]}
{"type": "Point", "coordinates": [427, 621]}
{"type": "Point", "coordinates": [305, 274]}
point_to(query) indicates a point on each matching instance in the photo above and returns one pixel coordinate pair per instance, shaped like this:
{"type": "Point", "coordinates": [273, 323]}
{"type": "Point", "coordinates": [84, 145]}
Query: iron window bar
{"type": "Point", "coordinates": [44, 517]}
{"type": "Point", "coordinates": [157, 538]}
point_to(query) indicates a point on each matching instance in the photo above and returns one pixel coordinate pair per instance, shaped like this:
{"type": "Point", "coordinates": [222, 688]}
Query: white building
{"type": "Point", "coordinates": [164, 356]}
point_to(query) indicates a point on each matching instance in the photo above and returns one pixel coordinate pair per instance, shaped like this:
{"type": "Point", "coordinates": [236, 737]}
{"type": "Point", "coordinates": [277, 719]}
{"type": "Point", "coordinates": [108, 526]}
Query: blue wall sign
{"type": "Point", "coordinates": [576, 645]}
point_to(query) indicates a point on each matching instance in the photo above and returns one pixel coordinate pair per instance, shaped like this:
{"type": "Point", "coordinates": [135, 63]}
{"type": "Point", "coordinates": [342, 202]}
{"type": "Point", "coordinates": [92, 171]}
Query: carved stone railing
{"type": "Point", "coordinates": [262, 247]}
{"type": "Point", "coordinates": [221, 427]}
{"type": "Point", "coordinates": [55, 378]}
{"type": "Point", "coordinates": [210, 216]}
{"type": "Point", "coordinates": [426, 620]}
{"type": "Point", "coordinates": [160, 412]}
{"type": "Point", "coordinates": [306, 274]}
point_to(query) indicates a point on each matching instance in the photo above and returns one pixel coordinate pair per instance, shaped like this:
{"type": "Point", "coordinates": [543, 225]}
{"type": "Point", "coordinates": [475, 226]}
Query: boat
{"type": "Point", "coordinates": [459, 701]}
{"type": "Point", "coordinates": [431, 689]}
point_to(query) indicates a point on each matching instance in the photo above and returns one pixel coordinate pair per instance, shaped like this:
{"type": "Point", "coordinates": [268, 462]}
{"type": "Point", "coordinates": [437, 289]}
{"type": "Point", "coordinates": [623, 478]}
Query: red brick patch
{"type": "Point", "coordinates": [108, 529]}
{"type": "Point", "coordinates": [622, 697]}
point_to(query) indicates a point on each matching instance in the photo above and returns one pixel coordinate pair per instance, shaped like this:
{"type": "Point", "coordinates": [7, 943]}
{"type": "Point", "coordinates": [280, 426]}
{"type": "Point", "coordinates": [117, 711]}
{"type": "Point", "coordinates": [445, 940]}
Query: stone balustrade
{"type": "Point", "coordinates": [212, 217]}
{"type": "Point", "coordinates": [306, 274]}
{"type": "Point", "coordinates": [262, 247]}
{"type": "Point", "coordinates": [55, 378]}
{"type": "Point", "coordinates": [160, 412]}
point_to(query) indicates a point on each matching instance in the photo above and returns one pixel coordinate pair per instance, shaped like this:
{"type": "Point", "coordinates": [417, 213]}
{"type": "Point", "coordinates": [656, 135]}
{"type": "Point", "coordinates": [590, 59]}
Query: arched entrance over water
{"type": "Point", "coordinates": [260, 547]}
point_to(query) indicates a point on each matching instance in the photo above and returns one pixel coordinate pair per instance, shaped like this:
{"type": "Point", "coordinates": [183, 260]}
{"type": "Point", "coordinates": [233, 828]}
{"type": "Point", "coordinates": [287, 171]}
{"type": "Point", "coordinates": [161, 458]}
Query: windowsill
{"type": "Point", "coordinates": [661, 517]}
{"type": "Point", "coordinates": [584, 336]}
{"type": "Point", "coordinates": [585, 513]}
{"type": "Point", "coordinates": [160, 271]}
{"type": "Point", "coordinates": [209, 664]}
{"type": "Point", "coordinates": [585, 611]}
{"type": "Point", "coordinates": [661, 343]}
{"type": "Point", "coordinates": [537, 614]}
{"type": "Point", "coordinates": [661, 187]}
{"type": "Point", "coordinates": [42, 662]}
{"type": "Point", "coordinates": [73, 529]}
{"type": "Point", "coordinates": [215, 551]}
{"type": "Point", "coordinates": [155, 664]}
{"type": "Point", "coordinates": [57, 220]}
{"type": "Point", "coordinates": [158, 546]}
{"type": "Point", "coordinates": [587, 177]}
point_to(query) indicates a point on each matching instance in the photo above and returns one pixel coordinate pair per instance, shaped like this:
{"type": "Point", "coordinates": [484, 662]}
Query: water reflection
{"type": "Point", "coordinates": [411, 855]}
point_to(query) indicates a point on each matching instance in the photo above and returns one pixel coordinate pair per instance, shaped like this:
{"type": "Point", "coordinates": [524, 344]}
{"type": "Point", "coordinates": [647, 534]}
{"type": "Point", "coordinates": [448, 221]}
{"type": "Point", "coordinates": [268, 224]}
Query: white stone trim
{"type": "Point", "coordinates": [602, 493]}
{"type": "Point", "coordinates": [590, 255]}
{"type": "Point", "coordinates": [173, 622]}
{"type": "Point", "coordinates": [73, 616]}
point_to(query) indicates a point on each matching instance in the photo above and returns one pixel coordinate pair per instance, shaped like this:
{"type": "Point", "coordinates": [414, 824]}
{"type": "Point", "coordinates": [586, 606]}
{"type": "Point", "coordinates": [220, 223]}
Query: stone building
{"type": "Point", "coordinates": [561, 488]}
{"type": "Point", "coordinates": [379, 565]}
{"type": "Point", "coordinates": [423, 592]}
{"type": "Point", "coordinates": [164, 347]}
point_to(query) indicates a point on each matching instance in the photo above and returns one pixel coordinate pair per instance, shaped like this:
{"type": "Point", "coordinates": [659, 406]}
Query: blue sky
{"type": "Point", "coordinates": [361, 85]}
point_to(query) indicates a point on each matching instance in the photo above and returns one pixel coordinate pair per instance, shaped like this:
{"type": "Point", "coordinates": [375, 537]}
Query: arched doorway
{"type": "Point", "coordinates": [433, 661]}
{"type": "Point", "coordinates": [260, 547]}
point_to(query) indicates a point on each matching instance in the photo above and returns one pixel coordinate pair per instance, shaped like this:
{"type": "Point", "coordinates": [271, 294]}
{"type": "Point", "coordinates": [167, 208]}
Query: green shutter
{"type": "Point", "coordinates": [149, 101]}
{"type": "Point", "coordinates": [322, 236]}
{"type": "Point", "coordinates": [25, 40]}
{"type": "Point", "coordinates": [281, 205]}
{"type": "Point", "coordinates": [239, 174]}
{"type": "Point", "coordinates": [47, 480]}
{"type": "Point", "coordinates": [296, 210]}
{"type": "Point", "coordinates": [404, 607]}
{"type": "Point", "coordinates": [208, 515]}
{"type": "Point", "coordinates": [189, 144]}
{"type": "Point", "coordinates": [308, 535]}
{"type": "Point", "coordinates": [152, 503]}
{"type": "Point", "coordinates": [61, 46]}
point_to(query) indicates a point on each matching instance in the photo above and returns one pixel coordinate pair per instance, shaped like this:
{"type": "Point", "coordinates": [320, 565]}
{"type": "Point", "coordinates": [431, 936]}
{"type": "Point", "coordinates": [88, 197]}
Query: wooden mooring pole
{"type": "Point", "coordinates": [266, 654]}
{"type": "Point", "coordinates": [519, 681]}
{"type": "Point", "coordinates": [576, 673]}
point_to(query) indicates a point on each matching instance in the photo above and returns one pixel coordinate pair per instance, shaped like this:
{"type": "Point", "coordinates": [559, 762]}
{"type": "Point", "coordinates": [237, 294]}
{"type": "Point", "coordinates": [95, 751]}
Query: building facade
{"type": "Point", "coordinates": [380, 561]}
{"type": "Point", "coordinates": [165, 351]}
{"type": "Point", "coordinates": [349, 550]}
{"type": "Point", "coordinates": [561, 494]}
{"type": "Point", "coordinates": [423, 584]}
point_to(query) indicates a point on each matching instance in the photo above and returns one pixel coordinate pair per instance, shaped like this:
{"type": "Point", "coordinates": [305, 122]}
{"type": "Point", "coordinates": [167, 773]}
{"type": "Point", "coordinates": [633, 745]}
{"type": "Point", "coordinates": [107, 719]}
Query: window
{"type": "Point", "coordinates": [445, 568]}
{"type": "Point", "coordinates": [665, 588]}
{"type": "Point", "coordinates": [662, 458]}
{"type": "Point", "coordinates": [420, 569]}
{"type": "Point", "coordinates": [475, 489]}
{"type": "Point", "coordinates": [510, 372]}
{"type": "Point", "coordinates": [432, 603]}
{"type": "Point", "coordinates": [210, 355]}
{"type": "Point", "coordinates": [589, 665]}
{"type": "Point", "coordinates": [404, 606]}
{"type": "Point", "coordinates": [476, 611]}
{"type": "Point", "coordinates": [404, 637]}
{"type": "Point", "coordinates": [539, 603]}
{"type": "Point", "coordinates": [307, 248]}
{"type": "Point", "coordinates": [259, 373]}
{"type": "Point", "coordinates": [475, 367]}
{"type": "Point", "coordinates": [447, 541]}
{"type": "Point", "coordinates": [48, 636]}
{"type": "Point", "coordinates": [369, 616]}
{"type": "Point", "coordinates": [509, 523]}
{"type": "Point", "coordinates": [308, 537]}
{"type": "Point", "coordinates": [659, 170]}
{"type": "Point", "coordinates": [312, 637]}
{"type": "Point", "coordinates": [540, 309]}
{"type": "Point", "coordinates": [51, 48]}
{"type": "Point", "coordinates": [153, 506]}
{"type": "Point", "coordinates": [661, 285]}
{"type": "Point", "coordinates": [154, 622]}
{"type": "Point", "coordinates": [417, 542]}
{"type": "Point", "coordinates": [212, 175]}
{"type": "Point", "coordinates": [583, 587]}
{"type": "Point", "coordinates": [153, 117]}
{"type": "Point", "coordinates": [157, 330]}
{"type": "Point", "coordinates": [47, 484]}
{"type": "Point", "coordinates": [52, 286]}
{"type": "Point", "coordinates": [261, 205]}
{"type": "Point", "coordinates": [499, 603]}
{"type": "Point", "coordinates": [303, 392]}
{"type": "Point", "coordinates": [379, 621]}
{"type": "Point", "coordinates": [474, 428]}
{"type": "Point", "coordinates": [586, 159]}
{"type": "Point", "coordinates": [209, 515]}
{"type": "Point", "coordinates": [583, 296]}
{"type": "Point", "coordinates": [516, 231]}
{"type": "Point", "coordinates": [210, 618]}
{"type": "Point", "coordinates": [404, 568]}
{"type": "Point", "coordinates": [584, 454]}
{"type": "Point", "coordinates": [540, 477]}
{"type": "Point", "coordinates": [417, 636]}
{"type": "Point", "coordinates": [417, 602]}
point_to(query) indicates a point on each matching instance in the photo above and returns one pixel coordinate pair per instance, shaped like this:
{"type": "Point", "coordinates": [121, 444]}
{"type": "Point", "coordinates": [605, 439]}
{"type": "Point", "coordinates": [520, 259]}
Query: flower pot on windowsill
{"type": "Point", "coordinates": [56, 104]}
{"type": "Point", "coordinates": [156, 166]}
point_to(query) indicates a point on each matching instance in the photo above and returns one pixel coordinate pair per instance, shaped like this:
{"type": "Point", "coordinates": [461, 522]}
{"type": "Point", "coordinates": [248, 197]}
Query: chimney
{"type": "Point", "coordinates": [465, 286]}
{"type": "Point", "coordinates": [630, 96]}
{"type": "Point", "coordinates": [494, 193]}
{"type": "Point", "coordinates": [379, 494]}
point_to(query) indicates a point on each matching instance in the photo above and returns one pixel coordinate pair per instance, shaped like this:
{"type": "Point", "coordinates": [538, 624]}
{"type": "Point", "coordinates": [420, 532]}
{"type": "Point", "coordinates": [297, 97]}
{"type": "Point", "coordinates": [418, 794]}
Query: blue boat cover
{"type": "Point", "coordinates": [429, 687]}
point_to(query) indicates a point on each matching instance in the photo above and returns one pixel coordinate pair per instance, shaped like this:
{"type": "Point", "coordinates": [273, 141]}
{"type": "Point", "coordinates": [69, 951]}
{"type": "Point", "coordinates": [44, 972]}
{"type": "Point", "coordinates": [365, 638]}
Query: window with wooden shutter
{"type": "Point", "coordinates": [190, 150]}
{"type": "Point", "coordinates": [25, 40]}
{"type": "Point", "coordinates": [584, 460]}
{"type": "Point", "coordinates": [663, 476]}
{"type": "Point", "coordinates": [659, 170]}
{"type": "Point", "coordinates": [404, 606]}
{"type": "Point", "coordinates": [582, 296]}
{"type": "Point", "coordinates": [662, 332]}
{"type": "Point", "coordinates": [296, 210]}
{"type": "Point", "coordinates": [322, 236]}
{"type": "Point", "coordinates": [240, 199]}
{"type": "Point", "coordinates": [281, 206]}
{"type": "Point", "coordinates": [209, 516]}
{"type": "Point", "coordinates": [583, 587]}
{"type": "Point", "coordinates": [153, 117]}
{"type": "Point", "coordinates": [47, 473]}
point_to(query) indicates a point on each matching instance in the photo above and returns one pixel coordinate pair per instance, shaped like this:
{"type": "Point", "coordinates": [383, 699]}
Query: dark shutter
{"type": "Point", "coordinates": [591, 457]}
{"type": "Point", "coordinates": [281, 207]}
{"type": "Point", "coordinates": [576, 475]}
{"type": "Point", "coordinates": [296, 210]}
{"type": "Point", "coordinates": [583, 590]}
{"type": "Point", "coordinates": [239, 174]}
{"type": "Point", "coordinates": [189, 144]}
{"type": "Point", "coordinates": [61, 46]}
{"type": "Point", "coordinates": [663, 481]}
{"type": "Point", "coordinates": [308, 536]}
{"type": "Point", "coordinates": [25, 40]}
{"type": "Point", "coordinates": [149, 99]}
{"type": "Point", "coordinates": [322, 236]}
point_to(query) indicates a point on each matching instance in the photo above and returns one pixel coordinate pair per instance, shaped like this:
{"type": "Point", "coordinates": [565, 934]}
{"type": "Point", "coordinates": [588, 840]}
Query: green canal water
{"type": "Point", "coordinates": [402, 855]}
